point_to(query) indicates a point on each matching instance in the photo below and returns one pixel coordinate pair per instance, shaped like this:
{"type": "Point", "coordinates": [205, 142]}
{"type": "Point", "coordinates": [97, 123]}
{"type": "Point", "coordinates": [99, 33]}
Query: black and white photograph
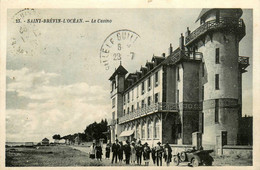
{"type": "Point", "coordinates": [170, 87]}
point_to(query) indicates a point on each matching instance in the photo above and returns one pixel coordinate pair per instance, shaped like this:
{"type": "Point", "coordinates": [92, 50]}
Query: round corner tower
{"type": "Point", "coordinates": [218, 38]}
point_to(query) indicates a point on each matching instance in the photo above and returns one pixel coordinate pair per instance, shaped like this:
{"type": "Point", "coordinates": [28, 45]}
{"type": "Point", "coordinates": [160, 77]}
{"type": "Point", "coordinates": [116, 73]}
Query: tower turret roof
{"type": "Point", "coordinates": [120, 70]}
{"type": "Point", "coordinates": [205, 11]}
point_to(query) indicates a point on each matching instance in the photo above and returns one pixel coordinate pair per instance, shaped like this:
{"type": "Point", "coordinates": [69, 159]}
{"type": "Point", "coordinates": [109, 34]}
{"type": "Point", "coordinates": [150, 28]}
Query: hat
{"type": "Point", "coordinates": [159, 142]}
{"type": "Point", "coordinates": [116, 140]}
{"type": "Point", "coordinates": [145, 143]}
{"type": "Point", "coordinates": [132, 142]}
{"type": "Point", "coordinates": [139, 141]}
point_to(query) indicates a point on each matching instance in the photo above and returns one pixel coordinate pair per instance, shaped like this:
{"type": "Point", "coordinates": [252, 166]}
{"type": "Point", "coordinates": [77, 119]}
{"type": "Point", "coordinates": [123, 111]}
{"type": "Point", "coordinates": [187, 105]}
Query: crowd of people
{"type": "Point", "coordinates": [133, 153]}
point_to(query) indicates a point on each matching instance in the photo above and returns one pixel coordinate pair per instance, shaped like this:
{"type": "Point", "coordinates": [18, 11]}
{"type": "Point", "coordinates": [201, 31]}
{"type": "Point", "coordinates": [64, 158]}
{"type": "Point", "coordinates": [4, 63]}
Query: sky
{"type": "Point", "coordinates": [56, 83]}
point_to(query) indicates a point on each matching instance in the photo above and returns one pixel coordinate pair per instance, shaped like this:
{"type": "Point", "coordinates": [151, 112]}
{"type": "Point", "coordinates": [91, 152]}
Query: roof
{"type": "Point", "coordinates": [204, 11]}
{"type": "Point", "coordinates": [119, 70]}
{"type": "Point", "coordinates": [143, 68]}
{"type": "Point", "coordinates": [45, 139]}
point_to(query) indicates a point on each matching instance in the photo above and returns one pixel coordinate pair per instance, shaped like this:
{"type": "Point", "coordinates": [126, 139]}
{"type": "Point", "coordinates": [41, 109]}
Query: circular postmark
{"type": "Point", "coordinates": [117, 45]}
{"type": "Point", "coordinates": [24, 36]}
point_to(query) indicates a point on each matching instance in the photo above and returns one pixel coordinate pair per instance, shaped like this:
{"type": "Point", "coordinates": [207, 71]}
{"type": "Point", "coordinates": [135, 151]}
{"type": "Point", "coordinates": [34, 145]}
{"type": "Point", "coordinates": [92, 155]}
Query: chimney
{"type": "Point", "coordinates": [181, 42]}
{"type": "Point", "coordinates": [163, 54]}
{"type": "Point", "coordinates": [187, 32]}
{"type": "Point", "coordinates": [170, 49]}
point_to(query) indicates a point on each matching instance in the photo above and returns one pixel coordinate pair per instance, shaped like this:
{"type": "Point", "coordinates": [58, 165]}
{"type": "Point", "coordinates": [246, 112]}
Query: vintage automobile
{"type": "Point", "coordinates": [194, 157]}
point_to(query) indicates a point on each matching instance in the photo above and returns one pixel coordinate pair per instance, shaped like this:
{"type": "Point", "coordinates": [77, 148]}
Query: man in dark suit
{"type": "Point", "coordinates": [115, 148]}
{"type": "Point", "coordinates": [127, 150]}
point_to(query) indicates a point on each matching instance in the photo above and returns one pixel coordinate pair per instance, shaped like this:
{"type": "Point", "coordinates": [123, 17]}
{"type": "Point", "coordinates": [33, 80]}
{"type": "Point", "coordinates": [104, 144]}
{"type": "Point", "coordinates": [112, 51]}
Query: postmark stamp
{"type": "Point", "coordinates": [27, 36]}
{"type": "Point", "coordinates": [117, 45]}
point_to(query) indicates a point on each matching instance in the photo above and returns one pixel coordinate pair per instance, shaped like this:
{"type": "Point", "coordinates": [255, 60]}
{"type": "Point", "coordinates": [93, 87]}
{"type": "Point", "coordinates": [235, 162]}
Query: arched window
{"type": "Point", "coordinates": [138, 131]}
{"type": "Point", "coordinates": [142, 130]}
{"type": "Point", "coordinates": [156, 129]}
{"type": "Point", "coordinates": [149, 130]}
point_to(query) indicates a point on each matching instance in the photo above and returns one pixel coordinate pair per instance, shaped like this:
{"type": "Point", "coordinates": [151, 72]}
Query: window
{"type": "Point", "coordinates": [177, 96]}
{"type": "Point", "coordinates": [137, 107]}
{"type": "Point", "coordinates": [113, 102]}
{"type": "Point", "coordinates": [217, 56]}
{"type": "Point", "coordinates": [143, 131]}
{"type": "Point", "coordinates": [178, 73]}
{"type": "Point", "coordinates": [202, 91]}
{"type": "Point", "coordinates": [142, 103]}
{"type": "Point", "coordinates": [156, 98]}
{"type": "Point", "coordinates": [128, 110]}
{"type": "Point", "coordinates": [202, 122]}
{"type": "Point", "coordinates": [137, 91]}
{"type": "Point", "coordinates": [149, 84]}
{"type": "Point", "coordinates": [124, 99]}
{"type": "Point", "coordinates": [128, 97]}
{"type": "Point", "coordinates": [138, 131]}
{"type": "Point", "coordinates": [149, 101]}
{"type": "Point", "coordinates": [217, 111]}
{"type": "Point", "coordinates": [132, 109]}
{"type": "Point", "coordinates": [203, 69]}
{"type": "Point", "coordinates": [142, 87]}
{"type": "Point", "coordinates": [156, 129]}
{"type": "Point", "coordinates": [113, 115]}
{"type": "Point", "coordinates": [124, 112]}
{"type": "Point", "coordinates": [156, 79]}
{"type": "Point", "coordinates": [132, 94]}
{"type": "Point", "coordinates": [149, 130]}
{"type": "Point", "coordinates": [217, 81]}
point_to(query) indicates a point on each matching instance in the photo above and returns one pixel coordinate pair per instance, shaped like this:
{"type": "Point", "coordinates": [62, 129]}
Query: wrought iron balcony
{"type": "Point", "coordinates": [179, 55]}
{"type": "Point", "coordinates": [155, 107]}
{"type": "Point", "coordinates": [231, 24]}
{"type": "Point", "coordinates": [243, 63]}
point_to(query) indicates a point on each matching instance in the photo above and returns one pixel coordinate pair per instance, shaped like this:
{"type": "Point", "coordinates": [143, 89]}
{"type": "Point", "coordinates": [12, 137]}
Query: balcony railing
{"type": "Point", "coordinates": [243, 60]}
{"type": "Point", "coordinates": [155, 107]}
{"type": "Point", "coordinates": [243, 63]}
{"type": "Point", "coordinates": [184, 55]}
{"type": "Point", "coordinates": [230, 23]}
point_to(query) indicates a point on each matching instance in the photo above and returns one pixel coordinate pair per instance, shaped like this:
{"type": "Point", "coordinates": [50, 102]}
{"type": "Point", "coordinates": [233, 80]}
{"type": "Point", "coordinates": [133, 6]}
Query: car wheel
{"type": "Point", "coordinates": [195, 162]}
{"type": "Point", "coordinates": [183, 156]}
{"type": "Point", "coordinates": [176, 161]}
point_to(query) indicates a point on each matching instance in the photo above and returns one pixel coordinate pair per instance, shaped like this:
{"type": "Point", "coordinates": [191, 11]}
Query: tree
{"type": "Point", "coordinates": [96, 130]}
{"type": "Point", "coordinates": [56, 137]}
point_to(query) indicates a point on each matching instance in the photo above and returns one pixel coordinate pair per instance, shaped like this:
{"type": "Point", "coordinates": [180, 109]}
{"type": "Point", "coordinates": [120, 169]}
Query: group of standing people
{"type": "Point", "coordinates": [96, 151]}
{"type": "Point", "coordinates": [134, 152]}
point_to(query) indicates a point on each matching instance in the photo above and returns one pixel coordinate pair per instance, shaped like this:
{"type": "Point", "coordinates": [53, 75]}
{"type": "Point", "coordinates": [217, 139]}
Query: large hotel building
{"type": "Point", "coordinates": [196, 88]}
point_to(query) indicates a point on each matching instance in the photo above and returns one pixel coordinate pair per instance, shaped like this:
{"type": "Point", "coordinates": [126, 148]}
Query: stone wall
{"type": "Point", "coordinates": [238, 151]}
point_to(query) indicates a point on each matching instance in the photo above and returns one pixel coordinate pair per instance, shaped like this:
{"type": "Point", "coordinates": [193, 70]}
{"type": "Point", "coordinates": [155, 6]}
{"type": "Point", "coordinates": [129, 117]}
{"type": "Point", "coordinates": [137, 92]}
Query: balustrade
{"type": "Point", "coordinates": [155, 107]}
{"type": "Point", "coordinates": [230, 23]}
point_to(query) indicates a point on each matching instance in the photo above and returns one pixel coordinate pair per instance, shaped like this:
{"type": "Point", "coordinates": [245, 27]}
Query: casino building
{"type": "Point", "coordinates": [194, 89]}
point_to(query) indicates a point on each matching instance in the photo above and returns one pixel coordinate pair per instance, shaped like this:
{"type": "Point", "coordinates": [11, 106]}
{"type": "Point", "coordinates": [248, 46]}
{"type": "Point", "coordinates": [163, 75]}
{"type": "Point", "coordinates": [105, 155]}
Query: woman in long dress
{"type": "Point", "coordinates": [133, 153]}
{"type": "Point", "coordinates": [146, 154]}
{"type": "Point", "coordinates": [92, 151]}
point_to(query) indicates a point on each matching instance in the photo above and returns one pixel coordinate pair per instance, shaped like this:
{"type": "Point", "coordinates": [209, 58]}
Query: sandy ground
{"type": "Point", "coordinates": [57, 156]}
